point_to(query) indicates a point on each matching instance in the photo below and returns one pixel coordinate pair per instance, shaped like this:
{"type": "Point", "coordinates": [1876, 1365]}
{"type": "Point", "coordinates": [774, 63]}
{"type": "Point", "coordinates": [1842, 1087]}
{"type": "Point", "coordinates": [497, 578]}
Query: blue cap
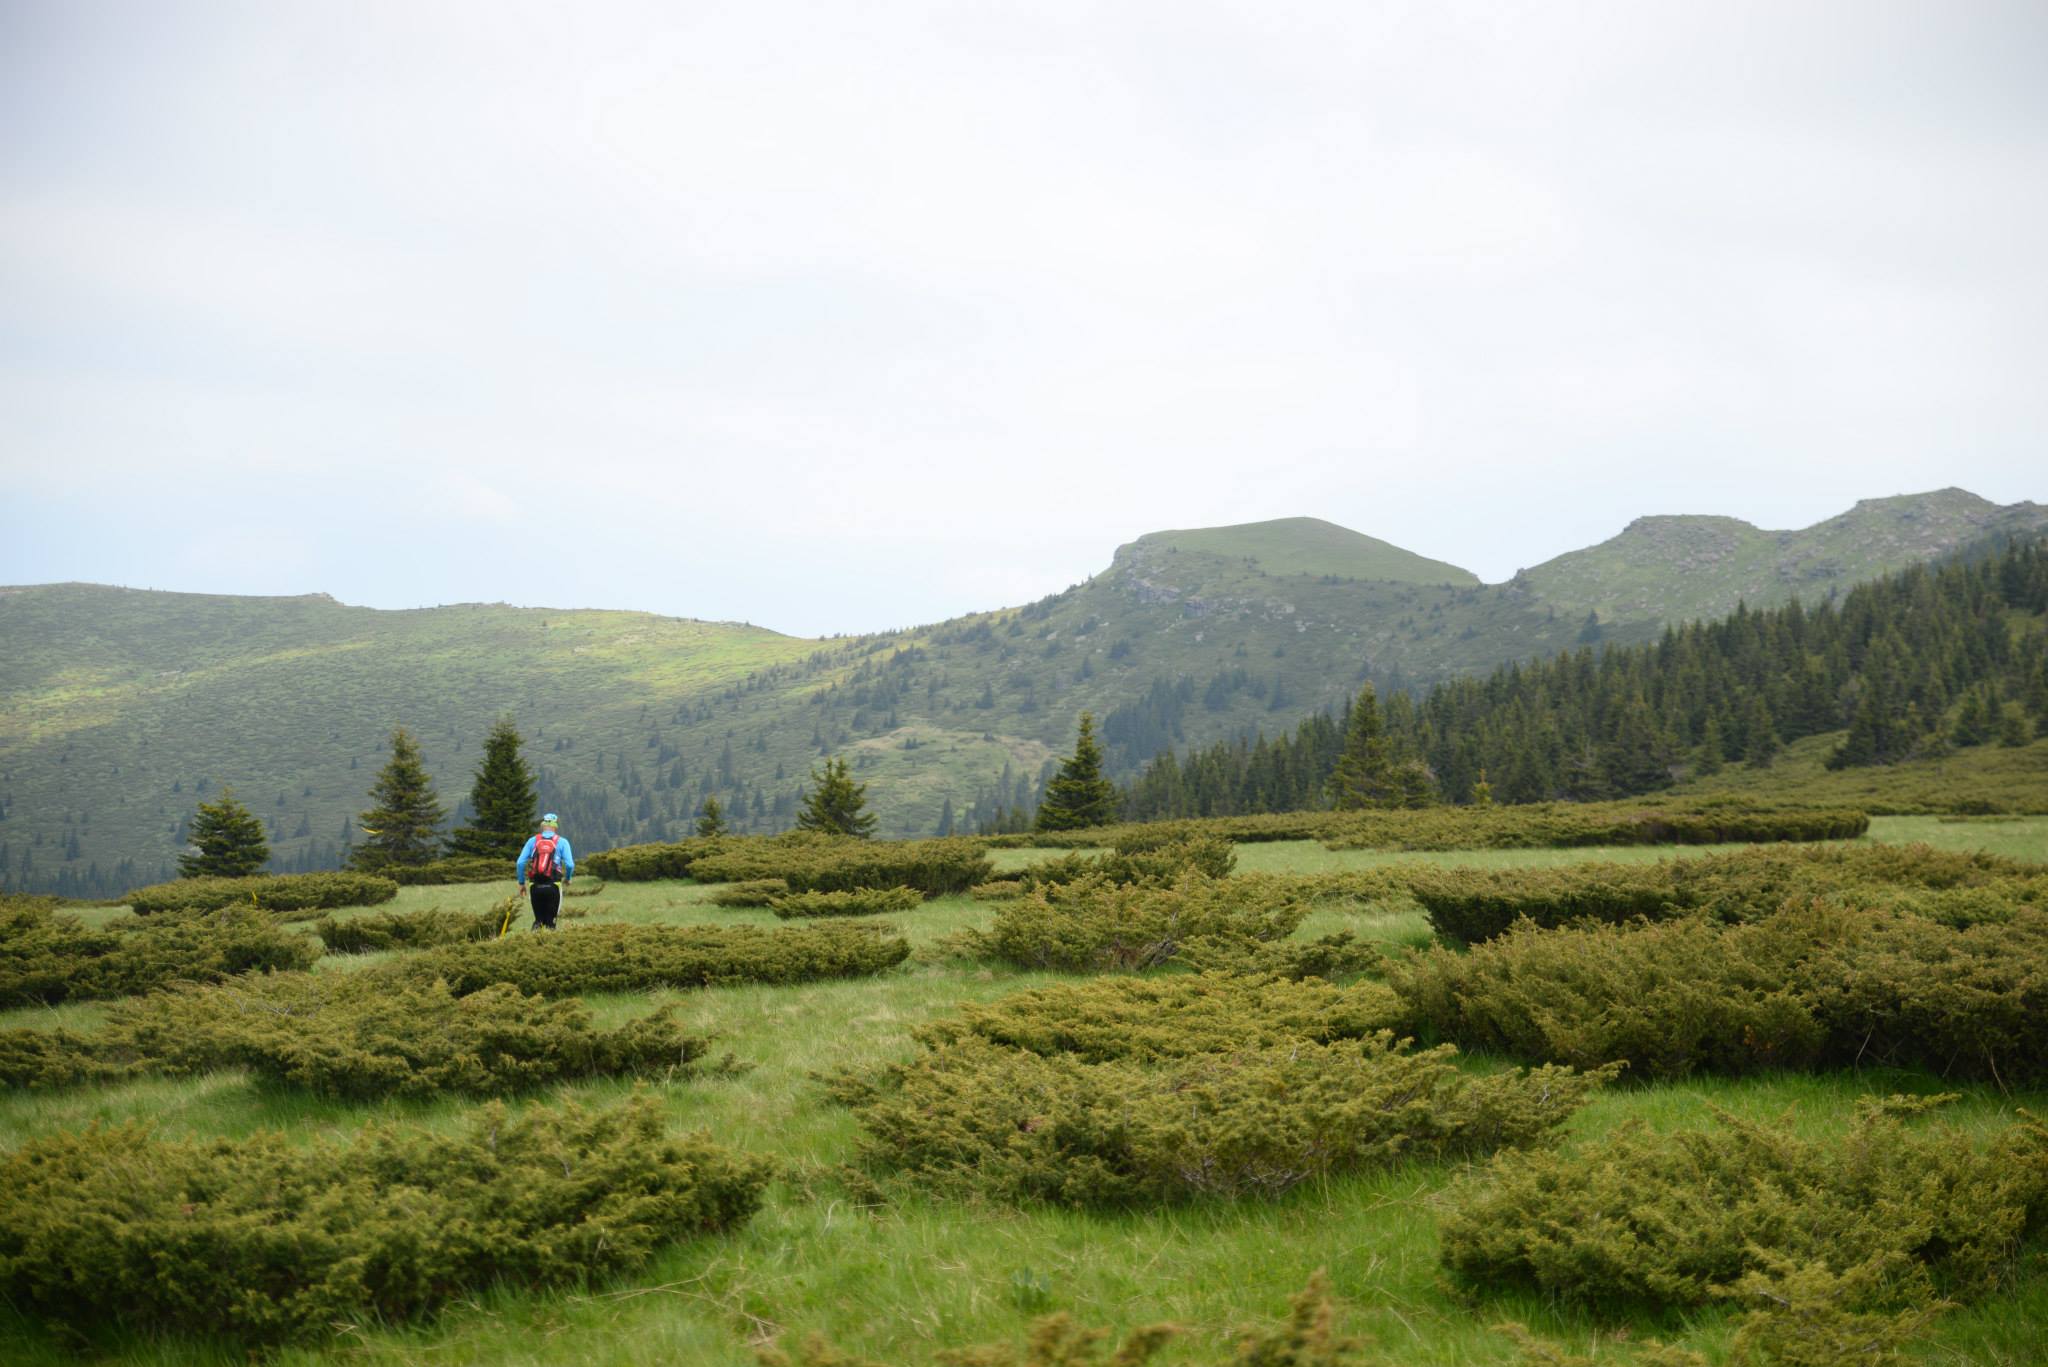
{"type": "Point", "coordinates": [550, 820]}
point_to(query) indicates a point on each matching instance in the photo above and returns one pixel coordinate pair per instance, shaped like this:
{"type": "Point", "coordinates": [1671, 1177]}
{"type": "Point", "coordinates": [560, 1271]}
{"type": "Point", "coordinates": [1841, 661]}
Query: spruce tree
{"type": "Point", "coordinates": [1079, 795]}
{"type": "Point", "coordinates": [1414, 784]}
{"type": "Point", "coordinates": [711, 821]}
{"type": "Point", "coordinates": [402, 826]}
{"type": "Point", "coordinates": [2014, 727]}
{"type": "Point", "coordinates": [1364, 776]}
{"type": "Point", "coordinates": [229, 838]}
{"type": "Point", "coordinates": [504, 799]}
{"type": "Point", "coordinates": [833, 806]}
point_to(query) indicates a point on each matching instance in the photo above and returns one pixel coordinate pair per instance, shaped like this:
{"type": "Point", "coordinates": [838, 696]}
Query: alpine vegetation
{"type": "Point", "coordinates": [297, 1242]}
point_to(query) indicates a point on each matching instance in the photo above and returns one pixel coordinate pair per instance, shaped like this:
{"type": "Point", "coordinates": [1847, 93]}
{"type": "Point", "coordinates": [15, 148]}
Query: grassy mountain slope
{"type": "Point", "coordinates": [1676, 569]}
{"type": "Point", "coordinates": [116, 705]}
{"type": "Point", "coordinates": [1302, 545]}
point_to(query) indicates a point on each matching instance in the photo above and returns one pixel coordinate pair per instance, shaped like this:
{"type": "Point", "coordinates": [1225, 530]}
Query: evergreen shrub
{"type": "Point", "coordinates": [977, 1117]}
{"type": "Point", "coordinates": [646, 863]}
{"type": "Point", "coordinates": [456, 869]}
{"type": "Point", "coordinates": [807, 861]}
{"type": "Point", "coordinates": [1669, 999]}
{"type": "Point", "coordinates": [1672, 821]}
{"type": "Point", "coordinates": [1153, 865]}
{"type": "Point", "coordinates": [349, 1037]}
{"type": "Point", "coordinates": [1471, 905]}
{"type": "Point", "coordinates": [48, 957]}
{"type": "Point", "coordinates": [278, 892]}
{"type": "Point", "coordinates": [1817, 985]}
{"type": "Point", "coordinates": [633, 958]}
{"type": "Point", "coordinates": [268, 1240]}
{"type": "Point", "coordinates": [851, 902]}
{"type": "Point", "coordinates": [345, 1035]}
{"type": "Point", "coordinates": [755, 892]}
{"type": "Point", "coordinates": [1342, 955]}
{"type": "Point", "coordinates": [1147, 1020]}
{"type": "Point", "coordinates": [1094, 925]}
{"type": "Point", "coordinates": [407, 929]}
{"type": "Point", "coordinates": [817, 863]}
{"type": "Point", "coordinates": [1639, 1219]}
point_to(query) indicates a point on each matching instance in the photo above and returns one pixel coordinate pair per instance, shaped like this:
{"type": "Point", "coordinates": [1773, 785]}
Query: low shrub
{"type": "Point", "coordinates": [407, 929]}
{"type": "Point", "coordinates": [633, 958]}
{"type": "Point", "coordinates": [465, 869]}
{"type": "Point", "coordinates": [283, 892]}
{"type": "Point", "coordinates": [1471, 905]}
{"type": "Point", "coordinates": [1671, 821]}
{"type": "Point", "coordinates": [48, 957]}
{"type": "Point", "coordinates": [997, 890]}
{"type": "Point", "coordinates": [814, 863]}
{"type": "Point", "coordinates": [755, 892]}
{"type": "Point", "coordinates": [1152, 1019]}
{"type": "Point", "coordinates": [1672, 1220]}
{"type": "Point", "coordinates": [1814, 985]}
{"type": "Point", "coordinates": [270, 1240]}
{"type": "Point", "coordinates": [56, 1058]}
{"type": "Point", "coordinates": [978, 1117]}
{"type": "Point", "coordinates": [1668, 999]}
{"type": "Point", "coordinates": [645, 863]}
{"type": "Point", "coordinates": [853, 902]}
{"type": "Point", "coordinates": [1093, 925]}
{"type": "Point", "coordinates": [1572, 825]}
{"type": "Point", "coordinates": [1238, 830]}
{"type": "Point", "coordinates": [1148, 864]}
{"type": "Point", "coordinates": [344, 1035]}
{"type": "Point", "coordinates": [349, 1037]}
{"type": "Point", "coordinates": [1342, 955]}
{"type": "Point", "coordinates": [1900, 990]}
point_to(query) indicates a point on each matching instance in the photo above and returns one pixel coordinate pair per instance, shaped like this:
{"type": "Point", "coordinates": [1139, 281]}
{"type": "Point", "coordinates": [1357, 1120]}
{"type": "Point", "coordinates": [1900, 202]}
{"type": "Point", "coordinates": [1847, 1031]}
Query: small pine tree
{"type": "Point", "coordinates": [1482, 791]}
{"type": "Point", "coordinates": [1364, 776]}
{"type": "Point", "coordinates": [1079, 795]}
{"type": "Point", "coordinates": [1414, 784]}
{"type": "Point", "coordinates": [402, 827]}
{"type": "Point", "coordinates": [229, 838]}
{"type": "Point", "coordinates": [2015, 728]}
{"type": "Point", "coordinates": [833, 806]}
{"type": "Point", "coordinates": [1712, 752]}
{"type": "Point", "coordinates": [504, 799]}
{"type": "Point", "coordinates": [711, 820]}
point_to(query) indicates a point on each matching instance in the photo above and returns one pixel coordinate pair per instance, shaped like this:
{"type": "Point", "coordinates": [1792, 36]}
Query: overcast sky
{"type": "Point", "coordinates": [842, 316]}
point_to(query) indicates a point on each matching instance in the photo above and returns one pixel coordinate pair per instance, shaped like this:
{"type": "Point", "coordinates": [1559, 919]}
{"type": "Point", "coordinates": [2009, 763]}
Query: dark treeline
{"type": "Point", "coordinates": [1910, 664]}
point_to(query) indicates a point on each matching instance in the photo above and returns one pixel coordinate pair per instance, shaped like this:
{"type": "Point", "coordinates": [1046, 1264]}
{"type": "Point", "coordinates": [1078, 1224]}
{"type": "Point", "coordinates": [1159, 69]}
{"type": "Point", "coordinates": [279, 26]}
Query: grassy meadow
{"type": "Point", "coordinates": [896, 1275]}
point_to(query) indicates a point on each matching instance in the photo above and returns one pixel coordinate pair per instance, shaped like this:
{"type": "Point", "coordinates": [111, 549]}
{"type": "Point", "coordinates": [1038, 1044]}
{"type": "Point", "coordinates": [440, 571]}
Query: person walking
{"type": "Point", "coordinates": [547, 863]}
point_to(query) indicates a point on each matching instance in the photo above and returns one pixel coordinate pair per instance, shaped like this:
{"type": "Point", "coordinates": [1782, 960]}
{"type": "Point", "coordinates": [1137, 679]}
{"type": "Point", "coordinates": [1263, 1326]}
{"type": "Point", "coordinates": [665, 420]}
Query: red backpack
{"type": "Point", "coordinates": [543, 865]}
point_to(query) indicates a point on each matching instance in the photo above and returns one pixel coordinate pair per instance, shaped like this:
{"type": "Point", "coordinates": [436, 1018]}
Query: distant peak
{"type": "Point", "coordinates": [1283, 547]}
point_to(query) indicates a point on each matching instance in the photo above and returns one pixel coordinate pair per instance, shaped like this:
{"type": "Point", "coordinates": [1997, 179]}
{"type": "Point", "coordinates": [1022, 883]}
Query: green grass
{"type": "Point", "coordinates": [899, 1280]}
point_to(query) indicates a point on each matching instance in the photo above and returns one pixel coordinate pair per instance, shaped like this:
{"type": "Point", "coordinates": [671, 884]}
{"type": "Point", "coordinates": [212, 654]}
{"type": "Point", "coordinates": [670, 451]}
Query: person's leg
{"type": "Point", "coordinates": [547, 900]}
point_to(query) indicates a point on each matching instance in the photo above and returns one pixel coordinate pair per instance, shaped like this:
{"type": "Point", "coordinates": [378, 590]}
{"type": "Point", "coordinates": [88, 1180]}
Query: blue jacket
{"type": "Point", "coordinates": [565, 859]}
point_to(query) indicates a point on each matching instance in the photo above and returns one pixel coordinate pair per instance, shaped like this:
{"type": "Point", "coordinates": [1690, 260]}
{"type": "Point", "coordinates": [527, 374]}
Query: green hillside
{"type": "Point", "coordinates": [1676, 569]}
{"type": "Point", "coordinates": [120, 709]}
{"type": "Point", "coordinates": [1296, 546]}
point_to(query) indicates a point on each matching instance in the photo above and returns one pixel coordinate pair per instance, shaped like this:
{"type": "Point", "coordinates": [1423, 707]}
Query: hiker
{"type": "Point", "coordinates": [550, 863]}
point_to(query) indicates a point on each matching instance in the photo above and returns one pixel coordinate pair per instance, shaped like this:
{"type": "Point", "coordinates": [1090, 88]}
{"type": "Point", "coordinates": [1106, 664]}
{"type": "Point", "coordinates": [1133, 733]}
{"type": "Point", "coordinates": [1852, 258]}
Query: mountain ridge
{"type": "Point", "coordinates": [120, 707]}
